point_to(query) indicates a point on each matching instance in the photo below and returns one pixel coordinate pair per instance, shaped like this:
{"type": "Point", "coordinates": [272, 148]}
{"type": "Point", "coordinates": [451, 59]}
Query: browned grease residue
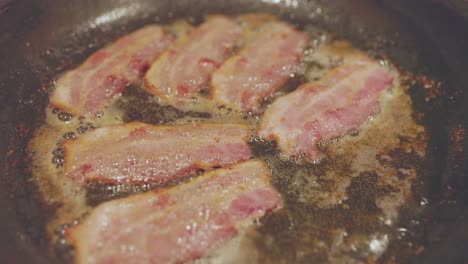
{"type": "Point", "coordinates": [341, 210]}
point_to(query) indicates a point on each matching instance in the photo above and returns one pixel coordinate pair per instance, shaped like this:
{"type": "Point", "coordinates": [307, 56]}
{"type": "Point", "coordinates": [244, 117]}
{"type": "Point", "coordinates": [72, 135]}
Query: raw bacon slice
{"type": "Point", "coordinates": [343, 100]}
{"type": "Point", "coordinates": [186, 68]}
{"type": "Point", "coordinates": [104, 74]}
{"type": "Point", "coordinates": [178, 224]}
{"type": "Point", "coordinates": [261, 68]}
{"type": "Point", "coordinates": [137, 153]}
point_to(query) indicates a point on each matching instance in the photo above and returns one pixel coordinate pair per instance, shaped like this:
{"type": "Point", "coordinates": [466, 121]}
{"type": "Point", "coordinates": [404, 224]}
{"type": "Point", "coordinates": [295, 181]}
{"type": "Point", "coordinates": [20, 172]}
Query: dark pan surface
{"type": "Point", "coordinates": [40, 39]}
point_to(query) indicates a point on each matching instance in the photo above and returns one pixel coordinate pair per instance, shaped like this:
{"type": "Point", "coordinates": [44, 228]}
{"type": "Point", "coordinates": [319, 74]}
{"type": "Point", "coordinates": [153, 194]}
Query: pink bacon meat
{"type": "Point", "coordinates": [137, 153]}
{"type": "Point", "coordinates": [260, 69]}
{"type": "Point", "coordinates": [341, 102]}
{"type": "Point", "coordinates": [185, 69]}
{"type": "Point", "coordinates": [178, 224]}
{"type": "Point", "coordinates": [104, 74]}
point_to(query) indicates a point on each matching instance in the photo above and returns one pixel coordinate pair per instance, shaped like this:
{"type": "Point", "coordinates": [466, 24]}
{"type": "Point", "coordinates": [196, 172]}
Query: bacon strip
{"type": "Point", "coordinates": [260, 69]}
{"type": "Point", "coordinates": [186, 68]}
{"type": "Point", "coordinates": [137, 153]}
{"type": "Point", "coordinates": [341, 102]}
{"type": "Point", "coordinates": [104, 74]}
{"type": "Point", "coordinates": [178, 224]}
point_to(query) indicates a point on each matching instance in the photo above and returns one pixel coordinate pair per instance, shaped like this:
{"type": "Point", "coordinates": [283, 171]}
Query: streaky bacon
{"type": "Point", "coordinates": [339, 103]}
{"type": "Point", "coordinates": [261, 68]}
{"type": "Point", "coordinates": [86, 89]}
{"type": "Point", "coordinates": [186, 68]}
{"type": "Point", "coordinates": [136, 153]}
{"type": "Point", "coordinates": [179, 224]}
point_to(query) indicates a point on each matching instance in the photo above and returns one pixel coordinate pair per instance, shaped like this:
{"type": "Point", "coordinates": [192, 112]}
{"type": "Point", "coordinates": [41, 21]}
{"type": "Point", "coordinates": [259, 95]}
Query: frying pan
{"type": "Point", "coordinates": [41, 39]}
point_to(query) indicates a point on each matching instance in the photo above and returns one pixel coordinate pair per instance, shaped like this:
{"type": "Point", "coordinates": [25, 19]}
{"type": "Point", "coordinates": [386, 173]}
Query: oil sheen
{"type": "Point", "coordinates": [343, 209]}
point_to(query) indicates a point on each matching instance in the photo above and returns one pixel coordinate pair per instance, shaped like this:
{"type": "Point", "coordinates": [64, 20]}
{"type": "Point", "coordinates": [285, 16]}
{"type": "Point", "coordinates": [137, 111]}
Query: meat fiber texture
{"type": "Point", "coordinates": [344, 99]}
{"type": "Point", "coordinates": [178, 224]}
{"type": "Point", "coordinates": [186, 68]}
{"type": "Point", "coordinates": [136, 153]}
{"type": "Point", "coordinates": [86, 89]}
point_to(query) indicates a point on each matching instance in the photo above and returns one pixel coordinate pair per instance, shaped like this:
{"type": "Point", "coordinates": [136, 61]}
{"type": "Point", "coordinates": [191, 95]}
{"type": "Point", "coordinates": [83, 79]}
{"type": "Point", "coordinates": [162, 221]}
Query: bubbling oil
{"type": "Point", "coordinates": [343, 209]}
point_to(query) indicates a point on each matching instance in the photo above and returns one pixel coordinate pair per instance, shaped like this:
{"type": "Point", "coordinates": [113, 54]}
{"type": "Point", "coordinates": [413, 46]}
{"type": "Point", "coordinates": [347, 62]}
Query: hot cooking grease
{"type": "Point", "coordinates": [343, 209]}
